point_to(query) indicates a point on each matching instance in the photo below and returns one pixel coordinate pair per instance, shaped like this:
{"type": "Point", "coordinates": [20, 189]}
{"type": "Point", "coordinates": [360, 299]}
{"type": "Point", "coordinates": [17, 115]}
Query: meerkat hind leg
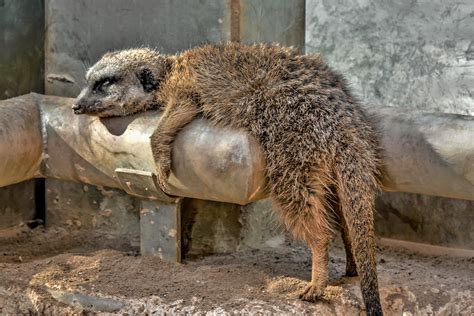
{"type": "Point", "coordinates": [308, 219]}
{"type": "Point", "coordinates": [319, 271]}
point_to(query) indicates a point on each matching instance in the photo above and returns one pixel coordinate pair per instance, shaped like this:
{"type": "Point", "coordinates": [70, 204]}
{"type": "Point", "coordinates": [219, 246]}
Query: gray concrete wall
{"type": "Point", "coordinates": [417, 54]}
{"type": "Point", "coordinates": [21, 69]}
{"type": "Point", "coordinates": [407, 54]}
{"type": "Point", "coordinates": [84, 207]}
{"type": "Point", "coordinates": [79, 33]}
{"type": "Point", "coordinates": [21, 42]}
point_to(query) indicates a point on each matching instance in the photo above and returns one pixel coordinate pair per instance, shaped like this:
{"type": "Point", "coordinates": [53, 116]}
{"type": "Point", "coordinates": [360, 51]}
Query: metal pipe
{"type": "Point", "coordinates": [208, 163]}
{"type": "Point", "coordinates": [425, 153]}
{"type": "Point", "coordinates": [21, 140]}
{"type": "Point", "coordinates": [428, 153]}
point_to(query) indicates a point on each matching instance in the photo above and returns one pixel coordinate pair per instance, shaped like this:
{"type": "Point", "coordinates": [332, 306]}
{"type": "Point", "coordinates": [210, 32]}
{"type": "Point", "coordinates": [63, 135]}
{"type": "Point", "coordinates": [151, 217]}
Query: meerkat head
{"type": "Point", "coordinates": [123, 82]}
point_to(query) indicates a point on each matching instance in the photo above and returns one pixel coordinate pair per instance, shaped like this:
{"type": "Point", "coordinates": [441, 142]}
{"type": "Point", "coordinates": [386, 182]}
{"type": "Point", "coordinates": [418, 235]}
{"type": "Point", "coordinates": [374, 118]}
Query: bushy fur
{"type": "Point", "coordinates": [321, 149]}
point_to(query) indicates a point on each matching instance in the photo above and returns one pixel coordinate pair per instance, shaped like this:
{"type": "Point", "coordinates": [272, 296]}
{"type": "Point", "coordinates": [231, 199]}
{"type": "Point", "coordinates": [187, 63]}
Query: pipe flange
{"type": "Point", "coordinates": [143, 184]}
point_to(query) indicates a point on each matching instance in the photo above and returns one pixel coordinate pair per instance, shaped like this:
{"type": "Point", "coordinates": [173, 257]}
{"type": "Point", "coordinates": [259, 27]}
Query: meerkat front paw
{"type": "Point", "coordinates": [162, 156]}
{"type": "Point", "coordinates": [164, 171]}
{"type": "Point", "coordinates": [312, 293]}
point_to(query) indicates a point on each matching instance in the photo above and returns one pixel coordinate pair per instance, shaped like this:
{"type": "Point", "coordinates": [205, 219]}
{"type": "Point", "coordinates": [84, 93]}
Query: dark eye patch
{"type": "Point", "coordinates": [107, 81]}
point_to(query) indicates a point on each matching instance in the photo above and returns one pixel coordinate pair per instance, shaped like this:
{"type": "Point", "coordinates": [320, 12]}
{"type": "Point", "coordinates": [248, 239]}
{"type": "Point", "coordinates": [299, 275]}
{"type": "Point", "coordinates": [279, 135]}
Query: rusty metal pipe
{"type": "Point", "coordinates": [208, 163]}
{"type": "Point", "coordinates": [21, 140]}
{"type": "Point", "coordinates": [428, 153]}
{"type": "Point", "coordinates": [425, 153]}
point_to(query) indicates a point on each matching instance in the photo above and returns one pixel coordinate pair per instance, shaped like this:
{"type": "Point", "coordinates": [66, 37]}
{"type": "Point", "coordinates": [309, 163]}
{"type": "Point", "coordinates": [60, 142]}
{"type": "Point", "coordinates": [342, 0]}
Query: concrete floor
{"type": "Point", "coordinates": [61, 271]}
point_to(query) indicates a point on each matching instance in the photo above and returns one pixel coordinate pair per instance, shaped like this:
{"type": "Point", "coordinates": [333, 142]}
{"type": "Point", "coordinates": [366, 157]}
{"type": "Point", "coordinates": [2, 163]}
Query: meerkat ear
{"type": "Point", "coordinates": [148, 80]}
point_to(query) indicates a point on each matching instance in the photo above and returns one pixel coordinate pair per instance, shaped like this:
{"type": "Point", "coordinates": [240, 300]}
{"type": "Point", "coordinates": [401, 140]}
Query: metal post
{"type": "Point", "coordinates": [160, 229]}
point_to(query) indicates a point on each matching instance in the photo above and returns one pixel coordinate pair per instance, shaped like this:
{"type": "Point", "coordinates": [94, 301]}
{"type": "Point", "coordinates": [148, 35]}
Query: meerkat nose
{"type": "Point", "coordinates": [77, 109]}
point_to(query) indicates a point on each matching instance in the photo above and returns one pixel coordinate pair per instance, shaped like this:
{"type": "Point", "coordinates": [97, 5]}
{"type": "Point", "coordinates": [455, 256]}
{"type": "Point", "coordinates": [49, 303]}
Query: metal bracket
{"type": "Point", "coordinates": [142, 183]}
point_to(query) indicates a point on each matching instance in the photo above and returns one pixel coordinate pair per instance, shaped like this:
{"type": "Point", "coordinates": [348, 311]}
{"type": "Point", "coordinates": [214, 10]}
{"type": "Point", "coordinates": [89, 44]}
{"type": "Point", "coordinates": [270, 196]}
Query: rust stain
{"type": "Point", "coordinates": [235, 20]}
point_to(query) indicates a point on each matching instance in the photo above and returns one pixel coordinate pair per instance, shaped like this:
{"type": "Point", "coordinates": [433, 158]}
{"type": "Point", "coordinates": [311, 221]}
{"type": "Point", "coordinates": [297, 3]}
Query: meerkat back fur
{"type": "Point", "coordinates": [320, 146]}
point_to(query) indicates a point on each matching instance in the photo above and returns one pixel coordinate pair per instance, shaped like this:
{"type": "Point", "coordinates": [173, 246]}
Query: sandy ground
{"type": "Point", "coordinates": [61, 272]}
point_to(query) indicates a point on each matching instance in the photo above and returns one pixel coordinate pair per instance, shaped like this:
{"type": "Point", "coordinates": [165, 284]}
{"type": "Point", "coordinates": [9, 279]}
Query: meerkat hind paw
{"type": "Point", "coordinates": [312, 293]}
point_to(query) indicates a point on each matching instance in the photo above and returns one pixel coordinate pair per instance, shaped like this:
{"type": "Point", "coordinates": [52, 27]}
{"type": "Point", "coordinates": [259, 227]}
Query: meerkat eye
{"type": "Point", "coordinates": [104, 83]}
{"type": "Point", "coordinates": [109, 81]}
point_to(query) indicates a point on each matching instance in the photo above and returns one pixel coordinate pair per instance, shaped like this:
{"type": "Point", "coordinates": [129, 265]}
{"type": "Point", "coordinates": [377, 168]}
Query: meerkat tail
{"type": "Point", "coordinates": [356, 193]}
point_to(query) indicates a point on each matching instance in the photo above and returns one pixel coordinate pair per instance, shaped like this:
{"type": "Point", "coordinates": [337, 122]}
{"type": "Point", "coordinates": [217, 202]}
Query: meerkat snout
{"type": "Point", "coordinates": [77, 108]}
{"type": "Point", "coordinates": [101, 96]}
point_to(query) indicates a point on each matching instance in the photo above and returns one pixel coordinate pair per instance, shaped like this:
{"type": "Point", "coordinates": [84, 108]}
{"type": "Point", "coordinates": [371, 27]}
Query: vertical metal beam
{"type": "Point", "coordinates": [235, 20]}
{"type": "Point", "coordinates": [160, 229]}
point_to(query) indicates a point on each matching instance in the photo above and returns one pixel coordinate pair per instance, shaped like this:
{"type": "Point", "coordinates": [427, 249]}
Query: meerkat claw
{"type": "Point", "coordinates": [163, 175]}
{"type": "Point", "coordinates": [312, 293]}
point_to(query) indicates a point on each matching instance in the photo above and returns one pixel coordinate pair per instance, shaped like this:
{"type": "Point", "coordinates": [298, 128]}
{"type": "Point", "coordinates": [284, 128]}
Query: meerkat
{"type": "Point", "coordinates": [321, 147]}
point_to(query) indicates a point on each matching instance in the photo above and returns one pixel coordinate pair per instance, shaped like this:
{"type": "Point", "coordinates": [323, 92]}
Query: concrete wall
{"type": "Point", "coordinates": [21, 53]}
{"type": "Point", "coordinates": [407, 54]}
{"type": "Point", "coordinates": [84, 207]}
{"type": "Point", "coordinates": [21, 69]}
{"type": "Point", "coordinates": [417, 54]}
{"type": "Point", "coordinates": [79, 33]}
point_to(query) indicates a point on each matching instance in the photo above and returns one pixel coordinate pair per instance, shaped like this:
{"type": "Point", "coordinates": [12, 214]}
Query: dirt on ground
{"type": "Point", "coordinates": [76, 272]}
